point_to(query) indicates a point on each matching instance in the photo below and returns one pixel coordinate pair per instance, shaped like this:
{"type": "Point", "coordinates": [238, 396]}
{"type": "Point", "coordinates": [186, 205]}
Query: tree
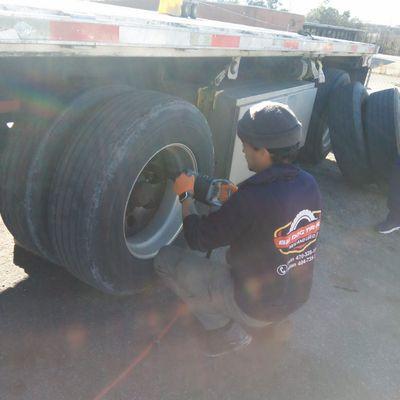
{"type": "Point", "coordinates": [325, 14]}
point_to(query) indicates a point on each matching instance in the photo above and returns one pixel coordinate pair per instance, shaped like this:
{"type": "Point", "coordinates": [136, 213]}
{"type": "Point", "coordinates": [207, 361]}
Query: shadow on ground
{"type": "Point", "coordinates": [55, 328]}
{"type": "Point", "coordinates": [61, 339]}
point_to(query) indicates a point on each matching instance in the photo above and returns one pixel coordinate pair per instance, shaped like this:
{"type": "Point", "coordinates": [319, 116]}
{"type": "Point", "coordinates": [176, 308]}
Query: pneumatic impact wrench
{"type": "Point", "coordinates": [211, 191]}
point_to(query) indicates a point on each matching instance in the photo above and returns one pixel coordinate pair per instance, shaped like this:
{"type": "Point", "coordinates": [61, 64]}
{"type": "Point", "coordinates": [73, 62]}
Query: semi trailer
{"type": "Point", "coordinates": [98, 102]}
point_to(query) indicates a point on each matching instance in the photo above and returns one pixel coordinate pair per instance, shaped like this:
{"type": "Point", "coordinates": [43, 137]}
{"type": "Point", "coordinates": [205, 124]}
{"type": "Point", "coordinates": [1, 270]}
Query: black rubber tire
{"type": "Point", "coordinates": [315, 148]}
{"type": "Point", "coordinates": [347, 132]}
{"type": "Point", "coordinates": [33, 150]}
{"type": "Point", "coordinates": [38, 111]}
{"type": "Point", "coordinates": [22, 145]}
{"type": "Point", "coordinates": [4, 137]}
{"type": "Point", "coordinates": [95, 176]}
{"type": "Point", "coordinates": [53, 142]}
{"type": "Point", "coordinates": [186, 10]}
{"type": "Point", "coordinates": [382, 128]}
{"type": "Point", "coordinates": [193, 11]}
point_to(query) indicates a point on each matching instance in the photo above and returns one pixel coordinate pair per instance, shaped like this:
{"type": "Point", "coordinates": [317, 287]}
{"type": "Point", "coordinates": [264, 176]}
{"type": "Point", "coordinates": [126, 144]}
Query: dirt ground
{"type": "Point", "coordinates": [62, 340]}
{"type": "Point", "coordinates": [382, 82]}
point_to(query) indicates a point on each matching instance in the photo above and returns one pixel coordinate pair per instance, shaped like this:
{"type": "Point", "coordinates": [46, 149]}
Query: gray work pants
{"type": "Point", "coordinates": [205, 285]}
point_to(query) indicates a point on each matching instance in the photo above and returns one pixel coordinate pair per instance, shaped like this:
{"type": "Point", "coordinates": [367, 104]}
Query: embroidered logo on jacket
{"type": "Point", "coordinates": [299, 234]}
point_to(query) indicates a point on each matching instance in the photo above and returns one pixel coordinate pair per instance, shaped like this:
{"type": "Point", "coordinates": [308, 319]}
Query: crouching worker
{"type": "Point", "coordinates": [271, 226]}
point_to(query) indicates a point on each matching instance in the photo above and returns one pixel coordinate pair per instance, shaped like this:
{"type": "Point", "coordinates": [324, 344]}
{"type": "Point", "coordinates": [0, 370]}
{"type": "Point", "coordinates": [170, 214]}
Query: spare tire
{"type": "Point", "coordinates": [382, 128]}
{"type": "Point", "coordinates": [111, 205]}
{"type": "Point", "coordinates": [347, 132]}
{"type": "Point", "coordinates": [318, 143]}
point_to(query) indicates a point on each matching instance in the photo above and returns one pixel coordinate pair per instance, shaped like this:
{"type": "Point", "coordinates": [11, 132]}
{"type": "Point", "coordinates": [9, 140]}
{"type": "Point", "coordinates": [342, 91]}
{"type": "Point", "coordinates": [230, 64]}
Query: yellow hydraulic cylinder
{"type": "Point", "coordinates": [171, 7]}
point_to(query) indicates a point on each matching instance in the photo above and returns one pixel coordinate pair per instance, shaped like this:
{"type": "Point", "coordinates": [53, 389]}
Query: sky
{"type": "Point", "coordinates": [385, 12]}
{"type": "Point", "coordinates": [377, 11]}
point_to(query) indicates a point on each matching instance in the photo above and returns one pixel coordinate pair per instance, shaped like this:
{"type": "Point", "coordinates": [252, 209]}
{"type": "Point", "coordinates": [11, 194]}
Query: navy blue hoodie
{"type": "Point", "coordinates": [271, 225]}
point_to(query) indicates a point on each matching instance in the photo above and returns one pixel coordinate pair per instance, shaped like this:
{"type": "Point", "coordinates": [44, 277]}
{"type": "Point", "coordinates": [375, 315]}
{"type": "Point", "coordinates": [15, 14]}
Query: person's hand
{"type": "Point", "coordinates": [184, 183]}
{"type": "Point", "coordinates": [226, 191]}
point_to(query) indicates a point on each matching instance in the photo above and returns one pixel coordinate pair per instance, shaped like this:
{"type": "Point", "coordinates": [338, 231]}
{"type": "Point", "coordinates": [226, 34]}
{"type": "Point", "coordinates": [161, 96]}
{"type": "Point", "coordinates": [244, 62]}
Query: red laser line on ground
{"type": "Point", "coordinates": [139, 358]}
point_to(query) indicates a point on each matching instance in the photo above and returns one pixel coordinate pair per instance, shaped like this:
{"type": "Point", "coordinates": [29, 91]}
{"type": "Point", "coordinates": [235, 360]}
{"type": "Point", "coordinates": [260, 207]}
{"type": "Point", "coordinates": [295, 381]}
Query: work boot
{"type": "Point", "coordinates": [230, 338]}
{"type": "Point", "coordinates": [389, 225]}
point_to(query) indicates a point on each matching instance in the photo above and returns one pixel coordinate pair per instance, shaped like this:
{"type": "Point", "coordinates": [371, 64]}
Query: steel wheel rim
{"type": "Point", "coordinates": [166, 222]}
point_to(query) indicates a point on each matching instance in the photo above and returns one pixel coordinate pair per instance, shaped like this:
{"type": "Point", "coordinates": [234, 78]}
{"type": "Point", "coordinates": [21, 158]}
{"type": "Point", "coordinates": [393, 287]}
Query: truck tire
{"type": "Point", "coordinates": [318, 143]}
{"type": "Point", "coordinates": [347, 132]}
{"type": "Point", "coordinates": [37, 112]}
{"type": "Point", "coordinates": [53, 143]}
{"type": "Point", "coordinates": [186, 9]}
{"type": "Point", "coordinates": [4, 135]}
{"type": "Point", "coordinates": [111, 204]}
{"type": "Point", "coordinates": [193, 11]}
{"type": "Point", "coordinates": [382, 128]}
{"type": "Point", "coordinates": [21, 145]}
{"type": "Point", "coordinates": [23, 187]}
{"type": "Point", "coordinates": [3, 138]}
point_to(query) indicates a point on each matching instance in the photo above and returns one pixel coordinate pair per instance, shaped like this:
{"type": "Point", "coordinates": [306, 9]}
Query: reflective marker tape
{"type": "Point", "coordinates": [225, 41]}
{"type": "Point", "coordinates": [354, 47]}
{"type": "Point", "coordinates": [83, 32]}
{"type": "Point", "coordinates": [291, 44]}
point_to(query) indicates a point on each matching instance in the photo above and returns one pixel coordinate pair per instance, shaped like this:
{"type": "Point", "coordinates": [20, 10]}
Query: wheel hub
{"type": "Point", "coordinates": [153, 213]}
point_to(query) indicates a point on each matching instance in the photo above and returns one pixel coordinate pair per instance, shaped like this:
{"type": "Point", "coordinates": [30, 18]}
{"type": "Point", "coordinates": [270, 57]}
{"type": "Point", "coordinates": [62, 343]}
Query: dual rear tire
{"type": "Point", "coordinates": [318, 142]}
{"type": "Point", "coordinates": [347, 132]}
{"type": "Point", "coordinates": [96, 194]}
{"type": "Point", "coordinates": [382, 130]}
{"type": "Point", "coordinates": [189, 9]}
{"type": "Point", "coordinates": [365, 132]}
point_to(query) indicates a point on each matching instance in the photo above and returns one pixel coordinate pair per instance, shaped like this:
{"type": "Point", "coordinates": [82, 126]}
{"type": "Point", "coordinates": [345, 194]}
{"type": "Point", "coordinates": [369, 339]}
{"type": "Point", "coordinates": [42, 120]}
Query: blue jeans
{"type": "Point", "coordinates": [393, 202]}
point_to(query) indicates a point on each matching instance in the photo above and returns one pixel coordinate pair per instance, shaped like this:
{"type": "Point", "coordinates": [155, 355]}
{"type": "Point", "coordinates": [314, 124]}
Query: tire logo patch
{"type": "Point", "coordinates": [299, 234]}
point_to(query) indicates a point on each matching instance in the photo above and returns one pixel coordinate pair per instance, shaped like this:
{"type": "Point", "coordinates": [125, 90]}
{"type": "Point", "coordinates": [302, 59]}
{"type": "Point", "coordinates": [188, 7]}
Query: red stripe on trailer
{"type": "Point", "coordinates": [7, 106]}
{"type": "Point", "coordinates": [291, 44]}
{"type": "Point", "coordinates": [328, 47]}
{"type": "Point", "coordinates": [225, 41]}
{"type": "Point", "coordinates": [83, 32]}
{"type": "Point", "coordinates": [354, 48]}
